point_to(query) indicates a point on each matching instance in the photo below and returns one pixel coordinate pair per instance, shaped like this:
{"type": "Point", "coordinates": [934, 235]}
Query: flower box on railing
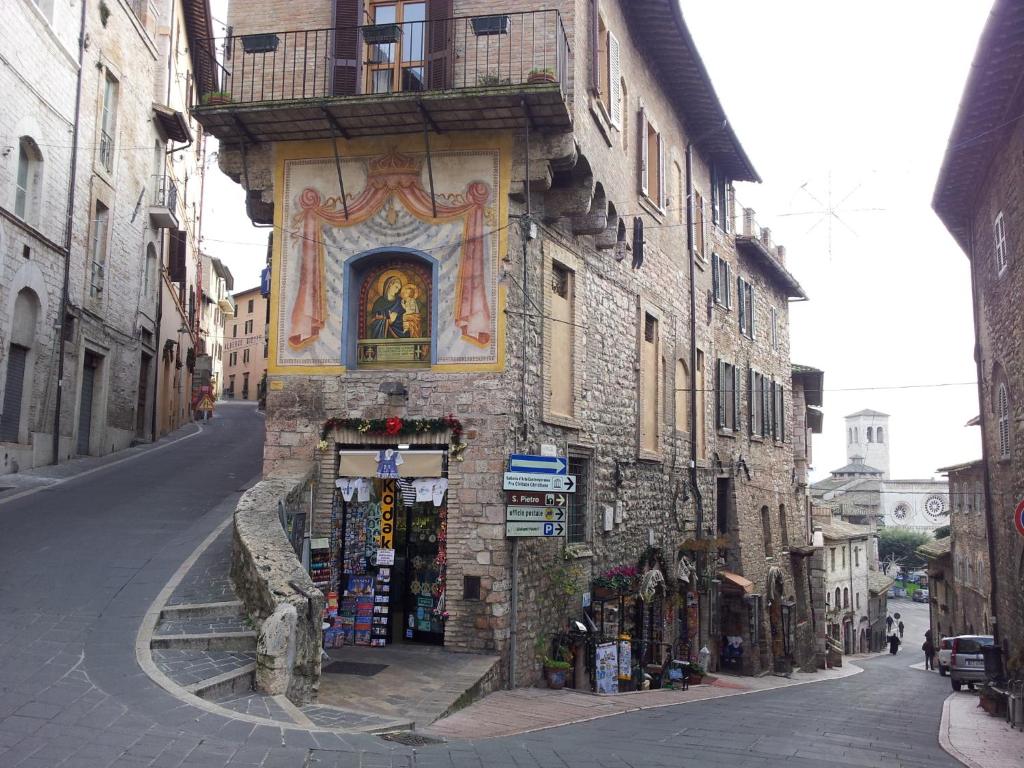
{"type": "Point", "coordinates": [381, 34]}
{"type": "Point", "coordinates": [262, 43]}
{"type": "Point", "coordinates": [490, 25]}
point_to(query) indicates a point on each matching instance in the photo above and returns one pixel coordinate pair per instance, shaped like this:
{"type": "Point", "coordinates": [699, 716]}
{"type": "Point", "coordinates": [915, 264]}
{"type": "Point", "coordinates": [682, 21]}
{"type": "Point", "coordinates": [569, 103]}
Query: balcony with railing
{"type": "Point", "coordinates": [495, 72]}
{"type": "Point", "coordinates": [163, 207]}
{"type": "Point", "coordinates": [756, 241]}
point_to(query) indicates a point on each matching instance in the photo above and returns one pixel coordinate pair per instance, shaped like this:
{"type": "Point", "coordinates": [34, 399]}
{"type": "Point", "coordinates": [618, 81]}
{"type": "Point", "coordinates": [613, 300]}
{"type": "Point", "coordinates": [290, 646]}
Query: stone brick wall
{"type": "Point", "coordinates": [276, 591]}
{"type": "Point", "coordinates": [1000, 329]}
{"type": "Point", "coordinates": [969, 551]}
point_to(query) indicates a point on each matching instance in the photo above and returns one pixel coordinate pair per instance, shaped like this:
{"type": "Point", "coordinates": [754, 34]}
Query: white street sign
{"type": "Point", "coordinates": [525, 481]}
{"type": "Point", "coordinates": [538, 514]}
{"type": "Point", "coordinates": [519, 530]}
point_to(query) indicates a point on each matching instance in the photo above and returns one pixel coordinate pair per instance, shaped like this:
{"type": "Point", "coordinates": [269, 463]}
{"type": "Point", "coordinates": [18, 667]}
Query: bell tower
{"type": "Point", "coordinates": [867, 437]}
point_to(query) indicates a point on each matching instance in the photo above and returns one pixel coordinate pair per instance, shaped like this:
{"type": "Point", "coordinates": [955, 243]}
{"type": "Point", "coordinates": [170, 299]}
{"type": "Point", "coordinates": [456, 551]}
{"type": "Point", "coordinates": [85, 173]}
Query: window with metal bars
{"type": "Point", "coordinates": [577, 502]}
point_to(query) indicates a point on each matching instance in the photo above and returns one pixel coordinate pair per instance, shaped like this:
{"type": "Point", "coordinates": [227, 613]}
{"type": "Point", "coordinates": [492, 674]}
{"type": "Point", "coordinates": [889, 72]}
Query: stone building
{"type": "Point", "coordinates": [847, 559]}
{"type": "Point", "coordinates": [92, 105]}
{"type": "Point", "coordinates": [977, 196]}
{"type": "Point", "coordinates": [244, 355]}
{"type": "Point", "coordinates": [218, 306]}
{"type": "Point", "coordinates": [969, 550]}
{"type": "Point", "coordinates": [516, 233]}
{"type": "Point", "coordinates": [941, 588]}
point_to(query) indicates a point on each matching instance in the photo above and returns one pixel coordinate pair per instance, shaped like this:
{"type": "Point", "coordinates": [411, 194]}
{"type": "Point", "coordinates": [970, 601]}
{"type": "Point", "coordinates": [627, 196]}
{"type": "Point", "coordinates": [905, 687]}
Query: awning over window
{"type": "Point", "coordinates": [734, 581]}
{"type": "Point", "coordinates": [414, 464]}
{"type": "Point", "coordinates": [172, 124]}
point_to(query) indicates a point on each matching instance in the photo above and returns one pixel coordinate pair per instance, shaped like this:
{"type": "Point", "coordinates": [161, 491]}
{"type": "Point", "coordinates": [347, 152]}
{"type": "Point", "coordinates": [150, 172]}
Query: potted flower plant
{"type": "Point", "coordinates": [555, 671]}
{"type": "Point", "coordinates": [541, 75]}
{"type": "Point", "coordinates": [619, 580]}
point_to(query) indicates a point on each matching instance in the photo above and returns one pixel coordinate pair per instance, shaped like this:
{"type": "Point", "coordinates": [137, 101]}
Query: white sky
{"type": "Point", "coordinates": [856, 98]}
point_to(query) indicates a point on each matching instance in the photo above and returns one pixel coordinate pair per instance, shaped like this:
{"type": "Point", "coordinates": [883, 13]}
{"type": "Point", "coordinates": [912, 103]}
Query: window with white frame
{"type": "Point", "coordinates": [745, 297]}
{"type": "Point", "coordinates": [1003, 419]}
{"type": "Point", "coordinates": [721, 281]}
{"type": "Point", "coordinates": [98, 250]}
{"type": "Point", "coordinates": [27, 181]}
{"type": "Point", "coordinates": [999, 232]}
{"type": "Point", "coordinates": [108, 123]}
{"type": "Point", "coordinates": [652, 161]}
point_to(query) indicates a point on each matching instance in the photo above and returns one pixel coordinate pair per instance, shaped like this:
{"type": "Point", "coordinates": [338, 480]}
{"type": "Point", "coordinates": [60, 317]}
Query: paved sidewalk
{"type": "Point", "coordinates": [507, 713]}
{"type": "Point", "coordinates": [977, 739]}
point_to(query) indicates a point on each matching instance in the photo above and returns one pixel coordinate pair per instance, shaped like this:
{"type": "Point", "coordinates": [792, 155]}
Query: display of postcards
{"type": "Point", "coordinates": [348, 637]}
{"type": "Point", "coordinates": [348, 605]}
{"type": "Point", "coordinates": [362, 637]}
{"type": "Point", "coordinates": [380, 609]}
{"type": "Point", "coordinates": [384, 574]}
{"type": "Point", "coordinates": [363, 626]}
{"type": "Point", "coordinates": [345, 622]}
{"type": "Point", "coordinates": [360, 585]}
{"type": "Point", "coordinates": [380, 620]}
{"type": "Point", "coordinates": [380, 599]}
{"type": "Point", "coordinates": [384, 588]}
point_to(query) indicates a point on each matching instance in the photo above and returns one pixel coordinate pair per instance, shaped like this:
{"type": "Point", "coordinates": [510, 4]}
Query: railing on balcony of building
{"type": "Point", "coordinates": [165, 192]}
{"type": "Point", "coordinates": [479, 52]}
{"type": "Point", "coordinates": [745, 225]}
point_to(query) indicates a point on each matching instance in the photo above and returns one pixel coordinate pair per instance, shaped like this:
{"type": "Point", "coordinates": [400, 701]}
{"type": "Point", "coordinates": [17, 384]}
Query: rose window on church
{"type": "Point", "coordinates": [934, 506]}
{"type": "Point", "coordinates": [901, 512]}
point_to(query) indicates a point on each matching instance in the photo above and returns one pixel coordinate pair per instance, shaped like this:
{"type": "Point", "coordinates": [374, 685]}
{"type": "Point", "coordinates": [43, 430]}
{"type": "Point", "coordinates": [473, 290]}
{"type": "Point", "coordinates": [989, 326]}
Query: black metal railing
{"type": "Point", "coordinates": [478, 52]}
{"type": "Point", "coordinates": [165, 192]}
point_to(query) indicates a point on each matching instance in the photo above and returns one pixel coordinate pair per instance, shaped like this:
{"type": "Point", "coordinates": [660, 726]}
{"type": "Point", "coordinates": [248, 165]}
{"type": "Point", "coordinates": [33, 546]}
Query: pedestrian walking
{"type": "Point", "coordinates": [888, 624]}
{"type": "Point", "coordinates": [929, 651]}
{"type": "Point", "coordinates": [894, 644]}
{"type": "Point", "coordinates": [900, 625]}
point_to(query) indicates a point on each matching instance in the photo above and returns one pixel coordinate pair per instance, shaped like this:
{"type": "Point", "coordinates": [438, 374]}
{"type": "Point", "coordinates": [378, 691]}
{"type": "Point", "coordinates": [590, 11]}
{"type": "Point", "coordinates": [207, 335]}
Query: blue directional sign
{"type": "Point", "coordinates": [542, 465]}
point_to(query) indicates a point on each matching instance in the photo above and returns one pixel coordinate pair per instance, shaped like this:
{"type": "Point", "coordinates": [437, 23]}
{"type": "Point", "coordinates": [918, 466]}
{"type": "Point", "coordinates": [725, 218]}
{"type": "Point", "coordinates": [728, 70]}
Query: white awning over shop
{"type": "Point", "coordinates": [414, 464]}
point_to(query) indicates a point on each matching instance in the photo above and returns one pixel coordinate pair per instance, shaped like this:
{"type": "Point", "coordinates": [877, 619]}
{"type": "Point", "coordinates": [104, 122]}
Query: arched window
{"type": "Point", "coordinates": [849, 435]}
{"type": "Point", "coordinates": [980, 572]}
{"type": "Point", "coordinates": [1003, 419]}
{"type": "Point", "coordinates": [783, 525]}
{"type": "Point", "coordinates": [858, 600]}
{"type": "Point", "coordinates": [149, 275]}
{"type": "Point", "coordinates": [969, 572]}
{"type": "Point", "coordinates": [871, 434]}
{"type": "Point", "coordinates": [856, 437]}
{"type": "Point", "coordinates": [837, 597]}
{"type": "Point", "coordinates": [846, 597]}
{"type": "Point", "coordinates": [766, 530]}
{"type": "Point", "coordinates": [394, 315]}
{"type": "Point", "coordinates": [880, 435]}
{"type": "Point", "coordinates": [28, 181]}
{"type": "Point", "coordinates": [682, 396]}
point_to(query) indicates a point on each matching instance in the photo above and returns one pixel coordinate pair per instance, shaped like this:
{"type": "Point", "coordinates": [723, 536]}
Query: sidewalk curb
{"type": "Point", "coordinates": [944, 741]}
{"type": "Point", "coordinates": [854, 670]}
{"type": "Point", "coordinates": [92, 470]}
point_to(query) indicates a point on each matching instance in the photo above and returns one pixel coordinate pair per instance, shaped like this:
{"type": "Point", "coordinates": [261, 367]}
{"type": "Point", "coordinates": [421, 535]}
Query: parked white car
{"type": "Point", "coordinates": [945, 655]}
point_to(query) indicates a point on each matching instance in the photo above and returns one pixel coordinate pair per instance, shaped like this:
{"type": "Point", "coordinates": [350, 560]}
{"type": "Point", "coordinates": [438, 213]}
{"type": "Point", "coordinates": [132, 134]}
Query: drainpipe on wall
{"type": "Point", "coordinates": [65, 287]}
{"type": "Point", "coordinates": [986, 478]}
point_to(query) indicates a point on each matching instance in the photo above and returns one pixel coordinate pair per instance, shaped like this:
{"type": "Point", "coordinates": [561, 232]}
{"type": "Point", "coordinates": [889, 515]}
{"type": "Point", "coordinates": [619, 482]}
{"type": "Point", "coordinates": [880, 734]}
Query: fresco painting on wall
{"type": "Point", "coordinates": [390, 251]}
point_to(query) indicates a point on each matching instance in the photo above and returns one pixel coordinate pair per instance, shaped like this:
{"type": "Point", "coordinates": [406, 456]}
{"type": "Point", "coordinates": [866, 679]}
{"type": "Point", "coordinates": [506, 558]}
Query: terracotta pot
{"type": "Point", "coordinates": [555, 677]}
{"type": "Point", "coordinates": [538, 78]}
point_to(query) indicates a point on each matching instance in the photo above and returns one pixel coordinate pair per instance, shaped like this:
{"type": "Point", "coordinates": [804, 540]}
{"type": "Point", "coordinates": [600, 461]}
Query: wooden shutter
{"type": "Point", "coordinates": [595, 45]}
{"type": "Point", "coordinates": [176, 269]}
{"type": "Point", "coordinates": [638, 242]}
{"type": "Point", "coordinates": [728, 284]}
{"type": "Point", "coordinates": [10, 418]}
{"type": "Point", "coordinates": [614, 81]}
{"type": "Point", "coordinates": [720, 395]}
{"type": "Point", "coordinates": [642, 126]}
{"type": "Point", "coordinates": [347, 16]}
{"type": "Point", "coordinates": [741, 314]}
{"type": "Point", "coordinates": [782, 413]}
{"type": "Point", "coordinates": [750, 309]}
{"type": "Point", "coordinates": [661, 172]}
{"type": "Point", "coordinates": [736, 398]}
{"type": "Point", "coordinates": [716, 289]}
{"type": "Point", "coordinates": [750, 399]}
{"type": "Point", "coordinates": [440, 45]}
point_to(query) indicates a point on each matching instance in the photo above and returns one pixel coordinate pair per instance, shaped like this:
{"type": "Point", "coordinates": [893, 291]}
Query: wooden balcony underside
{"type": "Point", "coordinates": [542, 107]}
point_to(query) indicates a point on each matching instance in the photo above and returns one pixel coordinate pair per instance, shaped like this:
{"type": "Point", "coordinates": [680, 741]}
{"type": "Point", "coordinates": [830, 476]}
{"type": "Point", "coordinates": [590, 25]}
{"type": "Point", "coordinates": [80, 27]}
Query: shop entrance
{"type": "Point", "coordinates": [386, 561]}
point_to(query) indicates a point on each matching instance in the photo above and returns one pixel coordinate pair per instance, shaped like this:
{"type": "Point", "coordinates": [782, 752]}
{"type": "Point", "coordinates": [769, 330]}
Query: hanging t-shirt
{"type": "Point", "coordinates": [410, 495]}
{"type": "Point", "coordinates": [439, 488]}
{"type": "Point", "coordinates": [388, 462]}
{"type": "Point", "coordinates": [349, 486]}
{"type": "Point", "coordinates": [424, 488]}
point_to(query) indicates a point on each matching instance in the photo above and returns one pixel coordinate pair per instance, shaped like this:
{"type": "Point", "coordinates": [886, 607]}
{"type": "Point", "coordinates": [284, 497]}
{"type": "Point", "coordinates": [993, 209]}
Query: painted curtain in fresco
{"type": "Point", "coordinates": [391, 209]}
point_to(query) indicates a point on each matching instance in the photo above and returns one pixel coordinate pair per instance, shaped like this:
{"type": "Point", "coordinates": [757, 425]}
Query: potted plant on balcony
{"type": "Point", "coordinates": [619, 580]}
{"type": "Point", "coordinates": [541, 75]}
{"type": "Point", "coordinates": [261, 43]}
{"type": "Point", "coordinates": [489, 81]}
{"type": "Point", "coordinates": [381, 34]}
{"type": "Point", "coordinates": [490, 25]}
{"type": "Point", "coordinates": [214, 98]}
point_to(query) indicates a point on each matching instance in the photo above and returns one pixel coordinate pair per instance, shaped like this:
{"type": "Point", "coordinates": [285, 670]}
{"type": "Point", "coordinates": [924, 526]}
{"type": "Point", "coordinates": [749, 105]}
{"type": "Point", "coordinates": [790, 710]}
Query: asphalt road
{"type": "Point", "coordinates": [81, 562]}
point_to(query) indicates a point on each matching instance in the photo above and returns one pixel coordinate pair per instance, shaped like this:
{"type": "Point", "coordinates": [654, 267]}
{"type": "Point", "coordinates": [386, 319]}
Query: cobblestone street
{"type": "Point", "coordinates": [83, 560]}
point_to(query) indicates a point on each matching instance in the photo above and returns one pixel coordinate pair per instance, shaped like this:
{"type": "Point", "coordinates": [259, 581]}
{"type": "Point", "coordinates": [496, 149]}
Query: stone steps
{"type": "Point", "coordinates": [201, 610]}
{"type": "Point", "coordinates": [238, 681]}
{"type": "Point", "coordinates": [210, 641]}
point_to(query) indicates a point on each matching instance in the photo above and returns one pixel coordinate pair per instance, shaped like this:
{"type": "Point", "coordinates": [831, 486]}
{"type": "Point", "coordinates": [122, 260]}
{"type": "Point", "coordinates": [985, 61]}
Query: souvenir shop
{"type": "Point", "coordinates": [383, 566]}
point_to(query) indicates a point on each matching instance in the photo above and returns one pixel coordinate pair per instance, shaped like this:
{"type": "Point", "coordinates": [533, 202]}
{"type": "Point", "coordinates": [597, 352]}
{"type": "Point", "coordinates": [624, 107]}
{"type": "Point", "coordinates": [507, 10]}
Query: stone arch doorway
{"type": "Point", "coordinates": [775, 586]}
{"type": "Point", "coordinates": [19, 375]}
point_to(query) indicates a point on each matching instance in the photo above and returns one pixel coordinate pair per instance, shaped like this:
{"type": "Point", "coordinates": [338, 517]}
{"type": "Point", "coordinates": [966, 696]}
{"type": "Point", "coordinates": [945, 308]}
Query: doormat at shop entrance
{"type": "Point", "coordinates": [354, 668]}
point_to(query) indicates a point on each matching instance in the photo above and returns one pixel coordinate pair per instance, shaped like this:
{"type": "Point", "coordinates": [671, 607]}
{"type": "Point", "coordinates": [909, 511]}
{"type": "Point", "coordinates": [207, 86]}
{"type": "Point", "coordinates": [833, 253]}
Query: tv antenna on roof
{"type": "Point", "coordinates": [830, 211]}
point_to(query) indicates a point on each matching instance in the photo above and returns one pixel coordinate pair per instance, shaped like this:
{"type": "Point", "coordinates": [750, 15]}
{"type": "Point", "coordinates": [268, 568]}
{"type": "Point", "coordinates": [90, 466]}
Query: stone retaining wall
{"type": "Point", "coordinates": [275, 589]}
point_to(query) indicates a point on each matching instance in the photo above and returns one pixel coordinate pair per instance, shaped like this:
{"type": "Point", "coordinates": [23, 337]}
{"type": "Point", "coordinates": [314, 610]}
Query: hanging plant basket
{"type": "Point", "coordinates": [490, 25]}
{"type": "Point", "coordinates": [381, 34]}
{"type": "Point", "coordinates": [262, 43]}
